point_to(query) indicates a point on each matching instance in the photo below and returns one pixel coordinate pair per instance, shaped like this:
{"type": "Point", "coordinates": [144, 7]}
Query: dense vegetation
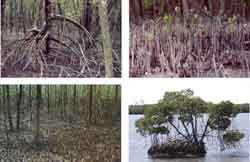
{"type": "Point", "coordinates": [61, 38]}
{"type": "Point", "coordinates": [189, 38]}
{"type": "Point", "coordinates": [60, 123]}
{"type": "Point", "coordinates": [178, 127]}
{"type": "Point", "coordinates": [139, 109]}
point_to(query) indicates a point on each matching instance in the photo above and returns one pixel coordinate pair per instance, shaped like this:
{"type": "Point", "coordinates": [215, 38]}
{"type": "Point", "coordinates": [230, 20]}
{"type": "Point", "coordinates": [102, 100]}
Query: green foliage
{"type": "Point", "coordinates": [150, 126]}
{"type": "Point", "coordinates": [220, 123]}
{"type": "Point", "coordinates": [183, 107]}
{"type": "Point", "coordinates": [232, 20]}
{"type": "Point", "coordinates": [182, 103]}
{"type": "Point", "coordinates": [168, 19]}
{"type": "Point", "coordinates": [244, 108]}
{"type": "Point", "coordinates": [224, 109]}
{"type": "Point", "coordinates": [221, 113]}
{"type": "Point", "coordinates": [138, 109]}
{"type": "Point", "coordinates": [148, 4]}
{"type": "Point", "coordinates": [150, 35]}
{"type": "Point", "coordinates": [195, 19]}
{"type": "Point", "coordinates": [232, 136]}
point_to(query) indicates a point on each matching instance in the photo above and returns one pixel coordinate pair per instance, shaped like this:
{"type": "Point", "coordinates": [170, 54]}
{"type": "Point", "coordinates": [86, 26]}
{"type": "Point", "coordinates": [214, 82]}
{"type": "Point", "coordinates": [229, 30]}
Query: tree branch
{"type": "Point", "coordinates": [63, 18]}
{"type": "Point", "coordinates": [205, 130]}
{"type": "Point", "coordinates": [178, 131]}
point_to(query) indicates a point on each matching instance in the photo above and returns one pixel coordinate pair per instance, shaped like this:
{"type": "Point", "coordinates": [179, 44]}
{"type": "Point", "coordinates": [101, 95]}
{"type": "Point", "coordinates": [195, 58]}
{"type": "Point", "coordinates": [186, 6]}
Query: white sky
{"type": "Point", "coordinates": [215, 90]}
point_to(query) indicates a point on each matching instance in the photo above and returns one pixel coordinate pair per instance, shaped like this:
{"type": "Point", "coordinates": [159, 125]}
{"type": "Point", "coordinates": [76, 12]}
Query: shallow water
{"type": "Point", "coordinates": [138, 145]}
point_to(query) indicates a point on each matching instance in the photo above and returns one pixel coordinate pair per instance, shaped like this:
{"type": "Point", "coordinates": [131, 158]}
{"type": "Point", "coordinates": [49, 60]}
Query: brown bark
{"type": "Point", "coordinates": [87, 14]}
{"type": "Point", "coordinates": [136, 8]}
{"type": "Point", "coordinates": [90, 103]}
{"type": "Point", "coordinates": [2, 13]}
{"type": "Point", "coordinates": [185, 9]}
{"type": "Point", "coordinates": [38, 106]}
{"type": "Point", "coordinates": [19, 106]}
{"type": "Point", "coordinates": [8, 107]}
{"type": "Point", "coordinates": [48, 11]}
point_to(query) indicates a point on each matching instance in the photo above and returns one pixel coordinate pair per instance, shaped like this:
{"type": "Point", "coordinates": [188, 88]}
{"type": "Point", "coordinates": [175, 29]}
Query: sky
{"type": "Point", "coordinates": [215, 90]}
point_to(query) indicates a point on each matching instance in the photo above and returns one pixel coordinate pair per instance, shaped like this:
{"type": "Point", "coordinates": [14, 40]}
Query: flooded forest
{"type": "Point", "coordinates": [60, 123]}
{"type": "Point", "coordinates": [60, 38]}
{"type": "Point", "coordinates": [189, 38]}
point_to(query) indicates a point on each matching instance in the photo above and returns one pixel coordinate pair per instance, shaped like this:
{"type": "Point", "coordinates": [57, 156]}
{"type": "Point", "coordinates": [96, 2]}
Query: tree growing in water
{"type": "Point", "coordinates": [177, 128]}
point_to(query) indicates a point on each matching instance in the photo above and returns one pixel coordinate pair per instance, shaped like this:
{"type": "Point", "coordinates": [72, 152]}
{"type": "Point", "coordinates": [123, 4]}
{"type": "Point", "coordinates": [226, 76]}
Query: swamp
{"type": "Point", "coordinates": [189, 38]}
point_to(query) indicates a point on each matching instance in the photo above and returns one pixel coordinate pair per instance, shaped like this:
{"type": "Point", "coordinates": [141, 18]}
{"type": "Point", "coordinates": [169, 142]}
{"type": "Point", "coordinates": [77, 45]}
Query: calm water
{"type": "Point", "coordinates": [138, 145]}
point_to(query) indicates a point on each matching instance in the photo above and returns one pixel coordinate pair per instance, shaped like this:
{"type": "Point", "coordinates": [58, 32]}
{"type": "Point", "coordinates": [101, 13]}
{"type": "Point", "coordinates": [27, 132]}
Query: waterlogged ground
{"type": "Point", "coordinates": [139, 145]}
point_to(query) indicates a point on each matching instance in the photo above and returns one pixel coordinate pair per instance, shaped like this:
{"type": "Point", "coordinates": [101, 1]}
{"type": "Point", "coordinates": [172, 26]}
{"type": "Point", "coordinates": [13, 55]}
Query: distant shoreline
{"type": "Point", "coordinates": [139, 109]}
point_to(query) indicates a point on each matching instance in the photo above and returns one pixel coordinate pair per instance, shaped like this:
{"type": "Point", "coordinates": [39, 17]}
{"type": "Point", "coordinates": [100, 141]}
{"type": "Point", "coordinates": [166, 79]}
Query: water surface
{"type": "Point", "coordinates": [138, 145]}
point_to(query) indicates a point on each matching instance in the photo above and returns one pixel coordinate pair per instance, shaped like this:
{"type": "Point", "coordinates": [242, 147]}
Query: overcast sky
{"type": "Point", "coordinates": [215, 90]}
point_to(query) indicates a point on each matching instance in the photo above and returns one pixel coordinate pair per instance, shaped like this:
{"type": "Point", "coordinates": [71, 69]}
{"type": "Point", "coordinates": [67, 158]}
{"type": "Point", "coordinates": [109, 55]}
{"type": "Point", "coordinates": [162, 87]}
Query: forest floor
{"type": "Point", "coordinates": [64, 142]}
{"type": "Point", "coordinates": [158, 49]}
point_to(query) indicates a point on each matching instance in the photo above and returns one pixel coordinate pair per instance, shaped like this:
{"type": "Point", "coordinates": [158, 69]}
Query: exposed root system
{"type": "Point", "coordinates": [214, 49]}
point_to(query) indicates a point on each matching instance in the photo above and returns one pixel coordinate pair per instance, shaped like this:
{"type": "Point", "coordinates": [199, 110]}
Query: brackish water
{"type": "Point", "coordinates": [138, 145]}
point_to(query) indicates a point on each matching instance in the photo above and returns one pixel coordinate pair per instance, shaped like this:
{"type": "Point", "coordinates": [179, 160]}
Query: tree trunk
{"type": "Point", "coordinates": [19, 101]}
{"type": "Point", "coordinates": [9, 107]}
{"type": "Point", "coordinates": [48, 102]}
{"type": "Point", "coordinates": [185, 8]}
{"type": "Point", "coordinates": [74, 99]}
{"type": "Point", "coordinates": [11, 23]}
{"type": "Point", "coordinates": [106, 38]}
{"type": "Point", "coordinates": [2, 14]}
{"type": "Point", "coordinates": [30, 102]}
{"type": "Point", "coordinates": [5, 114]}
{"type": "Point", "coordinates": [222, 10]}
{"type": "Point", "coordinates": [22, 17]}
{"type": "Point", "coordinates": [136, 10]}
{"type": "Point", "coordinates": [48, 11]}
{"type": "Point", "coordinates": [90, 103]}
{"type": "Point", "coordinates": [38, 106]}
{"type": "Point", "coordinates": [87, 14]}
{"type": "Point", "coordinates": [65, 103]}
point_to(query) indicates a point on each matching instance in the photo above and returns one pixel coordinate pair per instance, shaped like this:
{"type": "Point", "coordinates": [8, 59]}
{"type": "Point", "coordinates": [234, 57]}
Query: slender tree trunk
{"type": "Point", "coordinates": [74, 99]}
{"type": "Point", "coordinates": [19, 101]}
{"type": "Point", "coordinates": [2, 14]}
{"type": "Point", "coordinates": [5, 114]}
{"type": "Point", "coordinates": [30, 102]}
{"type": "Point", "coordinates": [90, 103]}
{"type": "Point", "coordinates": [87, 14]}
{"type": "Point", "coordinates": [22, 16]}
{"type": "Point", "coordinates": [117, 93]}
{"type": "Point", "coordinates": [11, 24]}
{"type": "Point", "coordinates": [136, 10]}
{"type": "Point", "coordinates": [117, 101]}
{"type": "Point", "coordinates": [9, 107]}
{"type": "Point", "coordinates": [65, 98]}
{"type": "Point", "coordinates": [185, 8]}
{"type": "Point", "coordinates": [38, 106]}
{"type": "Point", "coordinates": [106, 38]}
{"type": "Point", "coordinates": [222, 10]}
{"type": "Point", "coordinates": [48, 102]}
{"type": "Point", "coordinates": [48, 10]}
